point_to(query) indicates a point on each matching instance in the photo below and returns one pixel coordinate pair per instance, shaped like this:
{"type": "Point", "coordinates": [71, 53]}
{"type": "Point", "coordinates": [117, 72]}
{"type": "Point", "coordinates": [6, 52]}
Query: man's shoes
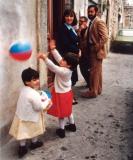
{"type": "Point", "coordinates": [35, 145]}
{"type": "Point", "coordinates": [22, 151]}
{"type": "Point", "coordinates": [88, 95]}
{"type": "Point", "coordinates": [71, 127]}
{"type": "Point", "coordinates": [60, 132]}
{"type": "Point", "coordinates": [99, 92]}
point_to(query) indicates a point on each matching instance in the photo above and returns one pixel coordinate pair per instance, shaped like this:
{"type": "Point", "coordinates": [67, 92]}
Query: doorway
{"type": "Point", "coordinates": [55, 13]}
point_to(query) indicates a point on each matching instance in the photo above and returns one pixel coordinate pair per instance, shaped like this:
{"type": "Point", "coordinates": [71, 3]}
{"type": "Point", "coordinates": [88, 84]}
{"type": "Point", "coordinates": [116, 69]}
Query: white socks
{"type": "Point", "coordinates": [34, 140]}
{"type": "Point", "coordinates": [22, 142]}
{"type": "Point", "coordinates": [71, 119]}
{"type": "Point", "coordinates": [62, 121]}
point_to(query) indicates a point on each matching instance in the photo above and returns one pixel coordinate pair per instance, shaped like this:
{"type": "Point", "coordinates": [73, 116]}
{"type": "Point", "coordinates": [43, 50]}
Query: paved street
{"type": "Point", "coordinates": [104, 124]}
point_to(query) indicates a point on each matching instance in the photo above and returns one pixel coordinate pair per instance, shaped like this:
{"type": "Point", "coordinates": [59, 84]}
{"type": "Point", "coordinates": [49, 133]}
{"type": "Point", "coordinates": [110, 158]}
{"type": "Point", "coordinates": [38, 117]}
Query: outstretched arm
{"type": "Point", "coordinates": [53, 51]}
{"type": "Point", "coordinates": [55, 68]}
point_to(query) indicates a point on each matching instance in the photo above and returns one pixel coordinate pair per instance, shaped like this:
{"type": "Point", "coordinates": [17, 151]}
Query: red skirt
{"type": "Point", "coordinates": [62, 104]}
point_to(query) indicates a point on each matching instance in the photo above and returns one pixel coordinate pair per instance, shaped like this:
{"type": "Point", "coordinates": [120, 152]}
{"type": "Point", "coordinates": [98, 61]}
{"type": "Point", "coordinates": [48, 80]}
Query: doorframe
{"type": "Point", "coordinates": [55, 13]}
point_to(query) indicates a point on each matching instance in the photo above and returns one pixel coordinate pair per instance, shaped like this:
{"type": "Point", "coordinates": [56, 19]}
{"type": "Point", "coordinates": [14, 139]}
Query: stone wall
{"type": "Point", "coordinates": [80, 7]}
{"type": "Point", "coordinates": [19, 21]}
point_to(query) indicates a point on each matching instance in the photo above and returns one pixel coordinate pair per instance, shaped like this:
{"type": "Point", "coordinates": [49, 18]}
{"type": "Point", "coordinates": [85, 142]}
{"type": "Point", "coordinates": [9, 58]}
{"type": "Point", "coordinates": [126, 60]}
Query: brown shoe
{"type": "Point", "coordinates": [99, 92]}
{"type": "Point", "coordinates": [88, 95]}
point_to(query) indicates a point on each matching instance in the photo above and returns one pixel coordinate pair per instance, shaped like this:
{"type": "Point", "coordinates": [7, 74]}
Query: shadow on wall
{"type": "Point", "coordinates": [4, 137]}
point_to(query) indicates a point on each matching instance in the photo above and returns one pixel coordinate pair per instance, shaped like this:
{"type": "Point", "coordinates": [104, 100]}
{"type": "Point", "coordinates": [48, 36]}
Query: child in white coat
{"type": "Point", "coordinates": [62, 95]}
{"type": "Point", "coordinates": [28, 122]}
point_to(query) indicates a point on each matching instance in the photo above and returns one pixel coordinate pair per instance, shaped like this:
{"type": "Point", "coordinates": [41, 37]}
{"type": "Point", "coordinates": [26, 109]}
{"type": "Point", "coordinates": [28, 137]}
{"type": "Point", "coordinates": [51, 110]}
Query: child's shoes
{"type": "Point", "coordinates": [74, 101]}
{"type": "Point", "coordinates": [60, 132]}
{"type": "Point", "coordinates": [71, 127]}
{"type": "Point", "coordinates": [35, 145]}
{"type": "Point", "coordinates": [22, 151]}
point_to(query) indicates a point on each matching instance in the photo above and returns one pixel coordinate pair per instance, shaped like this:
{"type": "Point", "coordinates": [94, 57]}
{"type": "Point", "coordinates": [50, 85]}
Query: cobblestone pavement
{"type": "Point", "coordinates": [104, 124]}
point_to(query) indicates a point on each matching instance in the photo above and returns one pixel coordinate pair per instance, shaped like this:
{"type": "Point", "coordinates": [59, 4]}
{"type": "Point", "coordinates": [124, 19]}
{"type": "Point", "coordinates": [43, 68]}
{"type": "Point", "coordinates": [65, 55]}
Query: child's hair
{"type": "Point", "coordinates": [71, 59]}
{"type": "Point", "coordinates": [29, 74]}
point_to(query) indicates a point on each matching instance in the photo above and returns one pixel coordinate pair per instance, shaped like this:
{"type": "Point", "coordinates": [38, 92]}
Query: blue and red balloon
{"type": "Point", "coordinates": [20, 50]}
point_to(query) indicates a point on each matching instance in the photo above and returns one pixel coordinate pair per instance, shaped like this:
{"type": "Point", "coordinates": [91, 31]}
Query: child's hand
{"type": "Point", "coordinates": [79, 54]}
{"type": "Point", "coordinates": [48, 106]}
{"type": "Point", "coordinates": [50, 86]}
{"type": "Point", "coordinates": [83, 26]}
{"type": "Point", "coordinates": [52, 44]}
{"type": "Point", "coordinates": [42, 56]}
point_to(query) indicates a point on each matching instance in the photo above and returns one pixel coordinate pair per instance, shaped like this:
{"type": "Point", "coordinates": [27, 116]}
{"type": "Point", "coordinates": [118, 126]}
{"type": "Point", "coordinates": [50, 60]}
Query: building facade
{"type": "Point", "coordinates": [114, 15]}
{"type": "Point", "coordinates": [128, 14]}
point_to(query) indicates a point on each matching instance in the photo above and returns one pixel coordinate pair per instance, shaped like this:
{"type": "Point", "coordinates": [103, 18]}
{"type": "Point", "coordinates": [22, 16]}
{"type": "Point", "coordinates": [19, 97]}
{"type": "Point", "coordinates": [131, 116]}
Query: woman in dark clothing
{"type": "Point", "coordinates": [67, 38]}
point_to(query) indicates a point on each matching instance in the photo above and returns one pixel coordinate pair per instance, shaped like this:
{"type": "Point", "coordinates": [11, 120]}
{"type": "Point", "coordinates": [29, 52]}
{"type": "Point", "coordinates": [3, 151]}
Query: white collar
{"type": "Point", "coordinates": [70, 27]}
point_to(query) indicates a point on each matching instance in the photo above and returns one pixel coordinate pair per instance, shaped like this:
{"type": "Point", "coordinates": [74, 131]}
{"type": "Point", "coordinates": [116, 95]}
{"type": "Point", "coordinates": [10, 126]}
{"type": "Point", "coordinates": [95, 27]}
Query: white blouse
{"type": "Point", "coordinates": [62, 81]}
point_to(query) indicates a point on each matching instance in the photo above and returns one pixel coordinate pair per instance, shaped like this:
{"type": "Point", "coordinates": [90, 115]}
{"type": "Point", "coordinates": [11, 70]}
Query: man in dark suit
{"type": "Point", "coordinates": [83, 60]}
{"type": "Point", "coordinates": [96, 39]}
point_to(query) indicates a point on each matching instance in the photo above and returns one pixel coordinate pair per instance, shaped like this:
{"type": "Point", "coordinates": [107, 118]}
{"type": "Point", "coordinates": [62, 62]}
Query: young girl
{"type": "Point", "coordinates": [61, 93]}
{"type": "Point", "coordinates": [28, 122]}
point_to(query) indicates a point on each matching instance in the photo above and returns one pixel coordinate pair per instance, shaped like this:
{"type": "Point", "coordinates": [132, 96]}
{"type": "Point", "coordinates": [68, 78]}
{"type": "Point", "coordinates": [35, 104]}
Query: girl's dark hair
{"type": "Point", "coordinates": [71, 59]}
{"type": "Point", "coordinates": [70, 12]}
{"type": "Point", "coordinates": [29, 74]}
{"type": "Point", "coordinates": [93, 6]}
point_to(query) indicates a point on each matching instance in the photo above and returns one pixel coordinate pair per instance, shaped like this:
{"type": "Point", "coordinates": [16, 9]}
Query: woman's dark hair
{"type": "Point", "coordinates": [70, 12]}
{"type": "Point", "coordinates": [71, 59]}
{"type": "Point", "coordinates": [93, 6]}
{"type": "Point", "coordinates": [29, 74]}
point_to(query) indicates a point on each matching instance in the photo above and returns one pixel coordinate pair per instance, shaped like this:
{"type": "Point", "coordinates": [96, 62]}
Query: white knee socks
{"type": "Point", "coordinates": [62, 123]}
{"type": "Point", "coordinates": [34, 140]}
{"type": "Point", "coordinates": [22, 142]}
{"type": "Point", "coordinates": [71, 119]}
